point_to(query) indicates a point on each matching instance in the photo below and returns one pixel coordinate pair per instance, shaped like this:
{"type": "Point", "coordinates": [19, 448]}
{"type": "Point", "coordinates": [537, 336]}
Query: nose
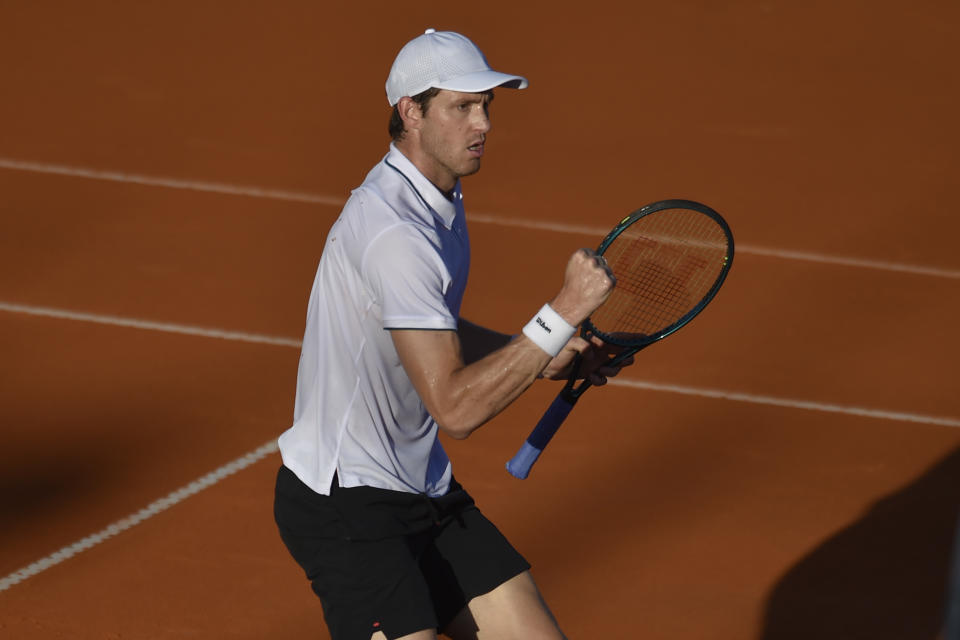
{"type": "Point", "coordinates": [482, 120]}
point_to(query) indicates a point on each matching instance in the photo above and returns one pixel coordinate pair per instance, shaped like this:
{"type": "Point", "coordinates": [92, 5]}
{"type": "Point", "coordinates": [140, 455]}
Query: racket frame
{"type": "Point", "coordinates": [625, 224]}
{"type": "Point", "coordinates": [570, 390]}
{"type": "Point", "coordinates": [548, 425]}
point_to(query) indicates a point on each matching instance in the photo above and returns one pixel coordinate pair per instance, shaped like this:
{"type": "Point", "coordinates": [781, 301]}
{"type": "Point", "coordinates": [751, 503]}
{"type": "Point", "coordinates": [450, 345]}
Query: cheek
{"type": "Point", "coordinates": [451, 135]}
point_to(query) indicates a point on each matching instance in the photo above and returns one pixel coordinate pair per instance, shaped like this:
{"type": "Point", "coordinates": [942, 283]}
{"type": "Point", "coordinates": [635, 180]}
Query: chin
{"type": "Point", "coordinates": [470, 169]}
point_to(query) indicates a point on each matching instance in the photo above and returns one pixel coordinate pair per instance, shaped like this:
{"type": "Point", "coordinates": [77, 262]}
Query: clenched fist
{"type": "Point", "coordinates": [587, 283]}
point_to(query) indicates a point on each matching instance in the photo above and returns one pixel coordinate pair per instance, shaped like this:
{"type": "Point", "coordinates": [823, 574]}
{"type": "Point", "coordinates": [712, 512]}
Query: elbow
{"type": "Point", "coordinates": [458, 414]}
{"type": "Point", "coordinates": [457, 434]}
{"type": "Point", "coordinates": [454, 429]}
{"type": "Point", "coordinates": [454, 425]}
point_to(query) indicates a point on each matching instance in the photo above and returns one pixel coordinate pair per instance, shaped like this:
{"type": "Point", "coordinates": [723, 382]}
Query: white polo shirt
{"type": "Point", "coordinates": [396, 258]}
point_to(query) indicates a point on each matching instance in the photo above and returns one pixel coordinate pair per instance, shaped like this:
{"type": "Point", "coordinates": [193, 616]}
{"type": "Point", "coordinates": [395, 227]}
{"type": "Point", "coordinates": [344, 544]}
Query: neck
{"type": "Point", "coordinates": [442, 179]}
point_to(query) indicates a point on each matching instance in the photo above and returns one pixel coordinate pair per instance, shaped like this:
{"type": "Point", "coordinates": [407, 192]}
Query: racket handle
{"type": "Point", "coordinates": [519, 466]}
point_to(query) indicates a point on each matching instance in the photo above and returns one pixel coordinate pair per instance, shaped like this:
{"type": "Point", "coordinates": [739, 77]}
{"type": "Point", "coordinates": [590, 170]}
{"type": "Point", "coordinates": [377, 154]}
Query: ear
{"type": "Point", "coordinates": [410, 113]}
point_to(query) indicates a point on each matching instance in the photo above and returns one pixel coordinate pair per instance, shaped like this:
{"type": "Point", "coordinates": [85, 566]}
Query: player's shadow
{"type": "Point", "coordinates": [882, 578]}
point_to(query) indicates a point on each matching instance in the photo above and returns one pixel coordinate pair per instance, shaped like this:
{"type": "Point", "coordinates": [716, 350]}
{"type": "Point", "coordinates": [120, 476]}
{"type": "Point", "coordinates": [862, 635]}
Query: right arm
{"type": "Point", "coordinates": [460, 396]}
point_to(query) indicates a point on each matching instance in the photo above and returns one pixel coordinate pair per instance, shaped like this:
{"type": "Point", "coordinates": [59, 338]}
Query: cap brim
{"type": "Point", "coordinates": [483, 81]}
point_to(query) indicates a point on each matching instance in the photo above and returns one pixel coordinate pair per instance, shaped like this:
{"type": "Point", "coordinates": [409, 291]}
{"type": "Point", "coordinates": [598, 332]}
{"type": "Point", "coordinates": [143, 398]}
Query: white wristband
{"type": "Point", "coordinates": [549, 330]}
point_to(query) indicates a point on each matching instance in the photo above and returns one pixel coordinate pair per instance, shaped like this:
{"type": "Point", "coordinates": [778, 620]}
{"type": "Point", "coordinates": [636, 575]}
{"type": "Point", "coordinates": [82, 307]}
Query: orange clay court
{"type": "Point", "coordinates": [786, 467]}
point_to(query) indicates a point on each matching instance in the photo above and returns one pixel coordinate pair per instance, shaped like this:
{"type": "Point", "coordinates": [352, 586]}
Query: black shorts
{"type": "Point", "coordinates": [391, 561]}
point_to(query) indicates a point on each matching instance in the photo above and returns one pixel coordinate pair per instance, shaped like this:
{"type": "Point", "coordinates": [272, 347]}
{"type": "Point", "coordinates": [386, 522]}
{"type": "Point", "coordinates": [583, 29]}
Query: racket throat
{"type": "Point", "coordinates": [571, 392]}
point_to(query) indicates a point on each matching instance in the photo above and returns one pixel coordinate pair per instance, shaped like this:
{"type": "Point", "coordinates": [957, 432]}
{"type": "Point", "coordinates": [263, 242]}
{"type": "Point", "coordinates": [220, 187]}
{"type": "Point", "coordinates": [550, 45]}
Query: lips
{"type": "Point", "coordinates": [476, 147]}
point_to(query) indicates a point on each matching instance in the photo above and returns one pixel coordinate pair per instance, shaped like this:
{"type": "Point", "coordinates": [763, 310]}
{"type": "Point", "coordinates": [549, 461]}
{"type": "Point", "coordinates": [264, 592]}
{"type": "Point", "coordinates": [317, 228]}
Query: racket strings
{"type": "Point", "coordinates": [665, 264]}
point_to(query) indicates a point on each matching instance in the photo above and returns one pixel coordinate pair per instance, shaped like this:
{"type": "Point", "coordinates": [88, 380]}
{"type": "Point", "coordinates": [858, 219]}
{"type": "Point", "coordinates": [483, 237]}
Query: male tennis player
{"type": "Point", "coordinates": [366, 501]}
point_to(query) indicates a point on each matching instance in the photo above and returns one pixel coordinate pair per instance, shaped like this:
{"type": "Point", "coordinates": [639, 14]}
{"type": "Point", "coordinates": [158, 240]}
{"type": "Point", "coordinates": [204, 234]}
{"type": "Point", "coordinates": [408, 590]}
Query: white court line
{"type": "Point", "coordinates": [786, 402]}
{"type": "Point", "coordinates": [134, 519]}
{"type": "Point", "coordinates": [499, 220]}
{"type": "Point", "coordinates": [147, 324]}
{"type": "Point", "coordinates": [270, 447]}
{"type": "Point", "coordinates": [639, 384]}
{"type": "Point", "coordinates": [784, 254]}
{"type": "Point", "coordinates": [170, 183]}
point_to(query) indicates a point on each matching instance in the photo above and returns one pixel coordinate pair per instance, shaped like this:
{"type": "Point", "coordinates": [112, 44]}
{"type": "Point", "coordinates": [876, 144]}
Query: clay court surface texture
{"type": "Point", "coordinates": [785, 467]}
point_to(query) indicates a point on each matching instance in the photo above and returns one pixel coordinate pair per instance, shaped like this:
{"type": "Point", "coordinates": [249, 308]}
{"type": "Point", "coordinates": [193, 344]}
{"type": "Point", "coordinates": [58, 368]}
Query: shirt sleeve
{"type": "Point", "coordinates": [408, 280]}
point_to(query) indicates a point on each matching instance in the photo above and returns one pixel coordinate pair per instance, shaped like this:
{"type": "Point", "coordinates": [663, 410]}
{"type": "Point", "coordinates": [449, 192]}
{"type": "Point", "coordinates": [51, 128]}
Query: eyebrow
{"type": "Point", "coordinates": [488, 94]}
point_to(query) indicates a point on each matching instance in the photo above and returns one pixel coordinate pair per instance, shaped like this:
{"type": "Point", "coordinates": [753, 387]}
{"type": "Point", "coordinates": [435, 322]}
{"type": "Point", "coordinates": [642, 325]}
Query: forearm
{"type": "Point", "coordinates": [481, 390]}
{"type": "Point", "coordinates": [461, 397]}
{"type": "Point", "coordinates": [464, 385]}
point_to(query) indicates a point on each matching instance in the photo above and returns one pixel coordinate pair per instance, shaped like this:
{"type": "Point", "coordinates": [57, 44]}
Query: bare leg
{"type": "Point", "coordinates": [513, 611]}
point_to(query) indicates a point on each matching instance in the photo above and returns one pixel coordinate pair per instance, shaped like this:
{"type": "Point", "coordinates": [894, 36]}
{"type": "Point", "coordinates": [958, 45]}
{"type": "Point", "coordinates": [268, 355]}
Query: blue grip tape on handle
{"type": "Point", "coordinates": [519, 466]}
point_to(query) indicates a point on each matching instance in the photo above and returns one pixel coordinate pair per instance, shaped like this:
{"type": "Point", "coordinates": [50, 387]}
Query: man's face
{"type": "Point", "coordinates": [452, 135]}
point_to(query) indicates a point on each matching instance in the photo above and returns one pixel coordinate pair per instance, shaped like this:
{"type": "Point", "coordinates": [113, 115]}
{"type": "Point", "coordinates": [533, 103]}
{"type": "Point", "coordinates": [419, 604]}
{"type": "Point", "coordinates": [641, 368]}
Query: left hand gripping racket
{"type": "Point", "coordinates": [669, 259]}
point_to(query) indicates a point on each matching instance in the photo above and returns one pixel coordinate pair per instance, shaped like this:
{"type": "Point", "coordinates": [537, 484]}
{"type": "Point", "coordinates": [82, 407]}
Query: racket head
{"type": "Point", "coordinates": [670, 259]}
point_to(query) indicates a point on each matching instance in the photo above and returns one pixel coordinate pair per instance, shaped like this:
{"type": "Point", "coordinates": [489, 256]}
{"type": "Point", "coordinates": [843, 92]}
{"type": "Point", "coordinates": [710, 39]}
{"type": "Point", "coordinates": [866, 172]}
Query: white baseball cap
{"type": "Point", "coordinates": [444, 60]}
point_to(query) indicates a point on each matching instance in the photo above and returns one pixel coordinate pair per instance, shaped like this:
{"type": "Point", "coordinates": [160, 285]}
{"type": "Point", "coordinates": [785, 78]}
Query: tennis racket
{"type": "Point", "coordinates": [669, 259]}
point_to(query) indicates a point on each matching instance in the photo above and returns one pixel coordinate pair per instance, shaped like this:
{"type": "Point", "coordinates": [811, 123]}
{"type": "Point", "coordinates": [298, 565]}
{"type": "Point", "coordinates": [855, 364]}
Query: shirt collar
{"type": "Point", "coordinates": [444, 209]}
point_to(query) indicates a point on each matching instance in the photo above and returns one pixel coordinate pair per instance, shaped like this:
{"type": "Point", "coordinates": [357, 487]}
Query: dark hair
{"type": "Point", "coordinates": [396, 122]}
